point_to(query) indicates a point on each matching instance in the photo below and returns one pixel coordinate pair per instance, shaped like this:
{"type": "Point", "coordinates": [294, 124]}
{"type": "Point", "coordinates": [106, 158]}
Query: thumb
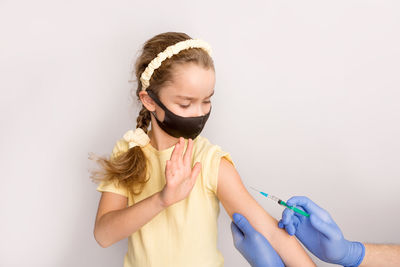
{"type": "Point", "coordinates": [236, 234]}
{"type": "Point", "coordinates": [243, 224]}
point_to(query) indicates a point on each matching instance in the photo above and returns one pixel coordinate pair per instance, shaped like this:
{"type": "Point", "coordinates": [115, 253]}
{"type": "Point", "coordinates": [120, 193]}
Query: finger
{"type": "Point", "coordinates": [290, 223]}
{"type": "Point", "coordinates": [287, 215]}
{"type": "Point", "coordinates": [299, 216]}
{"type": "Point", "coordinates": [296, 222]}
{"type": "Point", "coordinates": [236, 234]}
{"type": "Point", "coordinates": [243, 224]}
{"type": "Point", "coordinates": [175, 152]}
{"type": "Point", "coordinates": [188, 152]}
{"type": "Point", "coordinates": [195, 172]}
{"type": "Point", "coordinates": [319, 218]}
{"type": "Point", "coordinates": [180, 150]}
{"type": "Point", "coordinates": [168, 167]}
{"type": "Point", "coordinates": [290, 229]}
{"type": "Point", "coordinates": [306, 203]}
{"type": "Point", "coordinates": [168, 173]}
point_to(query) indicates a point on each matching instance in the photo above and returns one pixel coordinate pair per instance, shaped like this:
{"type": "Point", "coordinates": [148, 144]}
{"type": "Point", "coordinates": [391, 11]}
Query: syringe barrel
{"type": "Point", "coordinates": [274, 198]}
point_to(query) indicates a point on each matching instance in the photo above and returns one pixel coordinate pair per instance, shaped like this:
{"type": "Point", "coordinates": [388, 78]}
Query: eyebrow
{"type": "Point", "coordinates": [191, 98]}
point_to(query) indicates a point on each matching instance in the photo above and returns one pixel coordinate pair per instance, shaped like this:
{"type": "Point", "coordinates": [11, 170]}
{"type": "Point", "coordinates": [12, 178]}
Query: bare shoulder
{"type": "Point", "coordinates": [230, 188]}
{"type": "Point", "coordinates": [227, 175]}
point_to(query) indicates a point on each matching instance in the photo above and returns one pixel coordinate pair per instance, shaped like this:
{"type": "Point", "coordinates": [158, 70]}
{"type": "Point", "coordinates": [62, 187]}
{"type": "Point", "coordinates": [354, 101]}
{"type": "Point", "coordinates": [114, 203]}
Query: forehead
{"type": "Point", "coordinates": [191, 80]}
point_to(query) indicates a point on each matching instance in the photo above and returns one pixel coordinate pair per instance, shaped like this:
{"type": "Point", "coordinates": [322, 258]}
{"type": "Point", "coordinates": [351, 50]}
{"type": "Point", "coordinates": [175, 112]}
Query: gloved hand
{"type": "Point", "coordinates": [252, 245]}
{"type": "Point", "coordinates": [320, 234]}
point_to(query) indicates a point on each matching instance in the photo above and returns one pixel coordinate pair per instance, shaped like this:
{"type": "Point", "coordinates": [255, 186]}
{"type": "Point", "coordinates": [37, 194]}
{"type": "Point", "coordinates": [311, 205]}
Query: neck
{"type": "Point", "coordinates": [160, 139]}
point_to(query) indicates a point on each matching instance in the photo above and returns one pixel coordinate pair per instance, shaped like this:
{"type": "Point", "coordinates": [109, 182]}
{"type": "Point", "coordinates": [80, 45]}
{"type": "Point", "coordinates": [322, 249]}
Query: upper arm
{"type": "Point", "coordinates": [235, 198]}
{"type": "Point", "coordinates": [113, 197]}
{"type": "Point", "coordinates": [110, 201]}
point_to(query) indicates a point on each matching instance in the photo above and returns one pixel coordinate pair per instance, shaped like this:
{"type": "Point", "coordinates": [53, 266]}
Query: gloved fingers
{"type": "Point", "coordinates": [236, 234]}
{"type": "Point", "coordinates": [288, 220]}
{"type": "Point", "coordinates": [290, 229]}
{"type": "Point", "coordinates": [299, 216]}
{"type": "Point", "coordinates": [243, 224]}
{"type": "Point", "coordinates": [320, 219]}
{"type": "Point", "coordinates": [287, 215]}
{"type": "Point", "coordinates": [265, 253]}
{"type": "Point", "coordinates": [296, 221]}
{"type": "Point", "coordinates": [280, 224]}
{"type": "Point", "coordinates": [307, 205]}
{"type": "Point", "coordinates": [325, 228]}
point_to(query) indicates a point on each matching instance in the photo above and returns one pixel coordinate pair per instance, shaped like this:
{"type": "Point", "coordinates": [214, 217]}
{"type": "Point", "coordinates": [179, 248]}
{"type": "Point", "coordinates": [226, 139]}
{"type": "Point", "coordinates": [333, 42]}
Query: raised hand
{"type": "Point", "coordinates": [180, 176]}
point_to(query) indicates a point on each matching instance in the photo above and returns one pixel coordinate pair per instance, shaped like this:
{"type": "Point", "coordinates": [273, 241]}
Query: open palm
{"type": "Point", "coordinates": [180, 176]}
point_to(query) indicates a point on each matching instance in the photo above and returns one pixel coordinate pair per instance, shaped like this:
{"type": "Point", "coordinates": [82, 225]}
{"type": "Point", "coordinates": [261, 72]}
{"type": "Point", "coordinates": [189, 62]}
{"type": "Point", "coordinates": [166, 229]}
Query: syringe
{"type": "Point", "coordinates": [281, 202]}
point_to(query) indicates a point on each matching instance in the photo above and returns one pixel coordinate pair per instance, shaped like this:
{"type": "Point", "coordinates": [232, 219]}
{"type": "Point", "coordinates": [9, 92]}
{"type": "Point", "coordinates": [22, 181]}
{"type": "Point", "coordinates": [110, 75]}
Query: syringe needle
{"type": "Point", "coordinates": [255, 189]}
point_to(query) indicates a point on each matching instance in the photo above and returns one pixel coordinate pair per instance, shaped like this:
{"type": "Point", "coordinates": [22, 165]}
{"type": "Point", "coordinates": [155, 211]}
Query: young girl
{"type": "Point", "coordinates": [161, 187]}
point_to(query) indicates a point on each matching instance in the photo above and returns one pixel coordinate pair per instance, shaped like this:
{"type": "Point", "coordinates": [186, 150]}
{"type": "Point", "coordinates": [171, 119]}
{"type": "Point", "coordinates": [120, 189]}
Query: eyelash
{"type": "Point", "coordinates": [182, 106]}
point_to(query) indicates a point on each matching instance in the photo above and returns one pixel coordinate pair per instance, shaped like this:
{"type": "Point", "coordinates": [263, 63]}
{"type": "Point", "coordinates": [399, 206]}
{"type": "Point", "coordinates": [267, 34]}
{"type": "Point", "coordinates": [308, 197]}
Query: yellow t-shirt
{"type": "Point", "coordinates": [184, 234]}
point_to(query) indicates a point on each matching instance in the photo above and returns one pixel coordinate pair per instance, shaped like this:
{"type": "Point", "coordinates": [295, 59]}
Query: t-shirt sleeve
{"type": "Point", "coordinates": [110, 186]}
{"type": "Point", "coordinates": [211, 168]}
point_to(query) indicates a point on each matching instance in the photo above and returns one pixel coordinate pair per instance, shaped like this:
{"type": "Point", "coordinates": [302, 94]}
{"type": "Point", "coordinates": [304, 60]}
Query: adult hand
{"type": "Point", "coordinates": [252, 245]}
{"type": "Point", "coordinates": [320, 234]}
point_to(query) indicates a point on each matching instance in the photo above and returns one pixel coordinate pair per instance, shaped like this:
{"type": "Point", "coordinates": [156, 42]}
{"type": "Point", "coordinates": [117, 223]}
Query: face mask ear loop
{"type": "Point", "coordinates": [154, 114]}
{"type": "Point", "coordinates": [155, 98]}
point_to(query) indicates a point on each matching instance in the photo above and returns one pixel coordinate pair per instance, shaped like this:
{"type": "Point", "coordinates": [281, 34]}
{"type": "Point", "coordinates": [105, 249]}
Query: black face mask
{"type": "Point", "coordinates": [177, 126]}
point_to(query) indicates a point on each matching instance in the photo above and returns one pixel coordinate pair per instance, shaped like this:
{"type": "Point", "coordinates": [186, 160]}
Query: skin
{"type": "Point", "coordinates": [115, 221]}
{"type": "Point", "coordinates": [381, 255]}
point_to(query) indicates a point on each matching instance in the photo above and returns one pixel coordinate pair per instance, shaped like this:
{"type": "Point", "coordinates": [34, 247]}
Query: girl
{"type": "Point", "coordinates": [161, 187]}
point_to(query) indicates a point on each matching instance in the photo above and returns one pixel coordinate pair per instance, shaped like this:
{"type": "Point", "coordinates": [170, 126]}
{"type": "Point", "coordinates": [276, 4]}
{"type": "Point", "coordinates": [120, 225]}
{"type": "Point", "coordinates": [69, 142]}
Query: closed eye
{"type": "Point", "coordinates": [186, 106]}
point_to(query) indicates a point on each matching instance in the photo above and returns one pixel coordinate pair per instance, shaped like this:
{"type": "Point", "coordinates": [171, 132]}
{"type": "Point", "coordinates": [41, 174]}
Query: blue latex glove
{"type": "Point", "coordinates": [252, 245]}
{"type": "Point", "coordinates": [320, 234]}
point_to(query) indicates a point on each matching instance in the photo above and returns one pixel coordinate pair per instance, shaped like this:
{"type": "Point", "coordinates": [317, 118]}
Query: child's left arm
{"type": "Point", "coordinates": [235, 198]}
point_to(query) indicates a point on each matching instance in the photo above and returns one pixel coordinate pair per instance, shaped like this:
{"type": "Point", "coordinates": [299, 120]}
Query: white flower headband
{"type": "Point", "coordinates": [169, 52]}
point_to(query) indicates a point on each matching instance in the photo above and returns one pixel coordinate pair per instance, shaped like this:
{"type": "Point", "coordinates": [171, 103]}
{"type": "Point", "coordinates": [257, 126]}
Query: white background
{"type": "Point", "coordinates": [307, 103]}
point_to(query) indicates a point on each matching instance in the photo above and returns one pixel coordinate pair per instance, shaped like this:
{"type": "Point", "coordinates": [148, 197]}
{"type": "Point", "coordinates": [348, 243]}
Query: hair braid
{"type": "Point", "coordinates": [144, 119]}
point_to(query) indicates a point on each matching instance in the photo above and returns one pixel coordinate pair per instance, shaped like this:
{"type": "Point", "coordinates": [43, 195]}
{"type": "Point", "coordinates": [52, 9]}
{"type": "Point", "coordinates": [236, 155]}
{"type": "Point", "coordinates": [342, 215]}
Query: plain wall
{"type": "Point", "coordinates": [307, 103]}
